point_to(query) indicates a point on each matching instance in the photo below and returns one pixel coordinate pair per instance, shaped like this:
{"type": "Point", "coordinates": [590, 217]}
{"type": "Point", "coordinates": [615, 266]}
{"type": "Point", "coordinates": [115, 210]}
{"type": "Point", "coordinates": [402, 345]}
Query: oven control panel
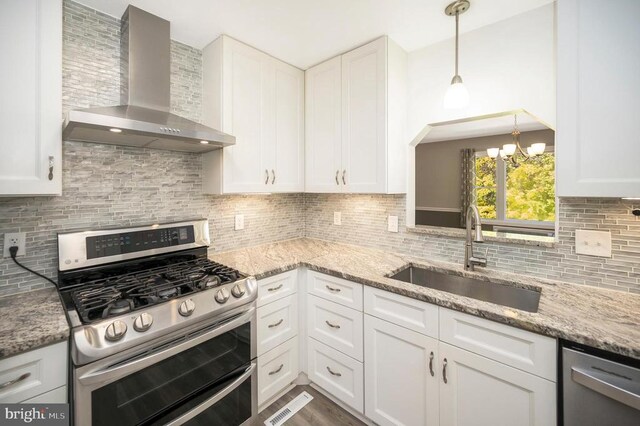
{"type": "Point", "coordinates": [136, 241]}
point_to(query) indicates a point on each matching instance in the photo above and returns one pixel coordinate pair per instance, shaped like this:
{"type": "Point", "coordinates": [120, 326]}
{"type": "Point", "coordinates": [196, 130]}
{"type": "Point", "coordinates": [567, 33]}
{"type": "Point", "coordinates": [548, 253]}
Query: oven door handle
{"type": "Point", "coordinates": [217, 397]}
{"type": "Point", "coordinates": [108, 375]}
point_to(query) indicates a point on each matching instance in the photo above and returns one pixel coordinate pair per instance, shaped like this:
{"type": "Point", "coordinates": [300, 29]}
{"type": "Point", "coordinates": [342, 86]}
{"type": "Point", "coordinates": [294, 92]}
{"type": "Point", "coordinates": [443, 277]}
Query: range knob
{"type": "Point", "coordinates": [186, 308]}
{"type": "Point", "coordinates": [222, 295]}
{"type": "Point", "coordinates": [143, 322]}
{"type": "Point", "coordinates": [238, 290]}
{"type": "Point", "coordinates": [115, 331]}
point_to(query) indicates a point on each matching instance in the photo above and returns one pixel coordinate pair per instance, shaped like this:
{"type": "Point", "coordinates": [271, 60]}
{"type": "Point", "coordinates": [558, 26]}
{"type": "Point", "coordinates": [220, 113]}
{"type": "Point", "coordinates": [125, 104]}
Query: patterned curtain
{"type": "Point", "coordinates": [467, 190]}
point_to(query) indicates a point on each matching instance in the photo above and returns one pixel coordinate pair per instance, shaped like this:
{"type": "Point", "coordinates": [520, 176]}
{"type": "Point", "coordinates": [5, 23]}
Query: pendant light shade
{"type": "Point", "coordinates": [457, 95]}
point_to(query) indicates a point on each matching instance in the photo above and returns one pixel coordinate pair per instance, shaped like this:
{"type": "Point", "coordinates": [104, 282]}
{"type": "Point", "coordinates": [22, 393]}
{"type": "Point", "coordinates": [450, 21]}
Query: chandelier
{"type": "Point", "coordinates": [513, 152]}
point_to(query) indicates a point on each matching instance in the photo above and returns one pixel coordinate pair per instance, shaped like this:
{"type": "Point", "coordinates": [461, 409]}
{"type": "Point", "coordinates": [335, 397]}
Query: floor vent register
{"type": "Point", "coordinates": [289, 410]}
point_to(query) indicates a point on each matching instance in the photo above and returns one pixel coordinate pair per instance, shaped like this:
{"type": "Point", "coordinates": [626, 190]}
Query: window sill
{"type": "Point", "coordinates": [490, 236]}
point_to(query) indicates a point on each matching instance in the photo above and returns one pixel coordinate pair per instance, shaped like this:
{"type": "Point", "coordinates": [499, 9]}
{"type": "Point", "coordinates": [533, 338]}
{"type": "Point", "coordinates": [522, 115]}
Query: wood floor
{"type": "Point", "coordinates": [320, 411]}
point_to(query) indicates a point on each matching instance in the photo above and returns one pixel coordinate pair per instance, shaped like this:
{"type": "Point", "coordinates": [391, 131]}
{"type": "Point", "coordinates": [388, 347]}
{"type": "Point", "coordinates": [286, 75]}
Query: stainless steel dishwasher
{"type": "Point", "coordinates": [599, 388]}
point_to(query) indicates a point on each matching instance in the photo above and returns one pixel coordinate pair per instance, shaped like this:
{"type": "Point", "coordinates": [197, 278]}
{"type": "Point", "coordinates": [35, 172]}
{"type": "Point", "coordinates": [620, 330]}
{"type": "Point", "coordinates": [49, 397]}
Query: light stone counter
{"type": "Point", "coordinates": [601, 318]}
{"type": "Point", "coordinates": [30, 320]}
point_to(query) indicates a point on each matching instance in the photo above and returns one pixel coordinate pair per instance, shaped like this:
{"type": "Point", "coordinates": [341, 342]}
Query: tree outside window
{"type": "Point", "coordinates": [508, 193]}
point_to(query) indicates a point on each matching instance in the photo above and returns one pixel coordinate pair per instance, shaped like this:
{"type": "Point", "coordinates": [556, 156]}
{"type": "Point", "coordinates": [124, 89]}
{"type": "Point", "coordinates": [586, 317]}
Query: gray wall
{"type": "Point", "coordinates": [106, 185]}
{"type": "Point", "coordinates": [438, 174]}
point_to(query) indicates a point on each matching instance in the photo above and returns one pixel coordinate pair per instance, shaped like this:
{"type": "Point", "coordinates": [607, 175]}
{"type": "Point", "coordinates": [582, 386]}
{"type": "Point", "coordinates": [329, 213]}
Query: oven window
{"type": "Point", "coordinates": [164, 387]}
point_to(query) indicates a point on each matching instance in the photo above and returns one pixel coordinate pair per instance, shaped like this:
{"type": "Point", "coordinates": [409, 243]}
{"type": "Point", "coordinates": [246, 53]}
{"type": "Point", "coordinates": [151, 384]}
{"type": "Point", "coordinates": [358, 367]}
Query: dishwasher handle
{"type": "Point", "coordinates": [601, 386]}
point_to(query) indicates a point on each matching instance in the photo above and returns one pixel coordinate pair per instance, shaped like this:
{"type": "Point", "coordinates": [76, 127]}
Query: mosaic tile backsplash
{"type": "Point", "coordinates": [118, 186]}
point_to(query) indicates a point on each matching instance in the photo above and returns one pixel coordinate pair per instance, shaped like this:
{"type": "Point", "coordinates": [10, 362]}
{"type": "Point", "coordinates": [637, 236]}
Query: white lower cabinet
{"type": "Point", "coordinates": [38, 374]}
{"type": "Point", "coordinates": [277, 335]}
{"type": "Point", "coordinates": [476, 391]}
{"type": "Point", "coordinates": [407, 362]}
{"type": "Point", "coordinates": [401, 381]}
{"type": "Point", "coordinates": [277, 369]}
{"type": "Point", "coordinates": [337, 373]}
{"type": "Point", "coordinates": [277, 322]}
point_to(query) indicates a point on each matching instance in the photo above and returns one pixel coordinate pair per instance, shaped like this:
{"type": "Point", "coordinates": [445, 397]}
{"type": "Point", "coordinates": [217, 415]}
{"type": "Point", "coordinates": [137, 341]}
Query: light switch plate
{"type": "Point", "coordinates": [337, 218]}
{"type": "Point", "coordinates": [392, 224]}
{"type": "Point", "coordinates": [239, 222]}
{"type": "Point", "coordinates": [593, 243]}
{"type": "Point", "coordinates": [16, 238]}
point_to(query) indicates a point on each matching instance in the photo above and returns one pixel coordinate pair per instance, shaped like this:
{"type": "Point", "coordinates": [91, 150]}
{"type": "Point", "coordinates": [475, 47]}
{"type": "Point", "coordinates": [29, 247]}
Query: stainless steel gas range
{"type": "Point", "coordinates": [160, 334]}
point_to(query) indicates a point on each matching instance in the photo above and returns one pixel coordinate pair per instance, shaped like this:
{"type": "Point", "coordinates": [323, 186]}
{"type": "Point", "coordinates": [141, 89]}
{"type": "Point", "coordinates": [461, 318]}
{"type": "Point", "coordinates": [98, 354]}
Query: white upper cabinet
{"type": "Point", "coordinates": [598, 90]}
{"type": "Point", "coordinates": [323, 126]}
{"type": "Point", "coordinates": [31, 101]}
{"type": "Point", "coordinates": [259, 100]}
{"type": "Point", "coordinates": [356, 121]}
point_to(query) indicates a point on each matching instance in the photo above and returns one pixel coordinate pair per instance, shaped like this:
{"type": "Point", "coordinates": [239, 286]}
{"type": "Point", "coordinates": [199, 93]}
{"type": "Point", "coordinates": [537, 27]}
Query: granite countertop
{"type": "Point", "coordinates": [601, 318]}
{"type": "Point", "coordinates": [30, 320]}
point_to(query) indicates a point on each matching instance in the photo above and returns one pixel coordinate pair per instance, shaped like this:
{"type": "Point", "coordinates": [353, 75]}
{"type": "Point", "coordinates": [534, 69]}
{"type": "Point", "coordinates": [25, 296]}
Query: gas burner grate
{"type": "Point", "coordinates": [115, 295]}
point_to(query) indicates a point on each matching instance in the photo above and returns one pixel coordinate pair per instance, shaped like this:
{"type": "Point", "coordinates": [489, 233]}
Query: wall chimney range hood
{"type": "Point", "coordinates": [143, 119]}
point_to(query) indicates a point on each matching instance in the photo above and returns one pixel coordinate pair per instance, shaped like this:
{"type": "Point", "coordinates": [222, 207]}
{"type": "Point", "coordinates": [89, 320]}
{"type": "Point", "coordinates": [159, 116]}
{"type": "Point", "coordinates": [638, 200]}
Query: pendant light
{"type": "Point", "coordinates": [457, 95]}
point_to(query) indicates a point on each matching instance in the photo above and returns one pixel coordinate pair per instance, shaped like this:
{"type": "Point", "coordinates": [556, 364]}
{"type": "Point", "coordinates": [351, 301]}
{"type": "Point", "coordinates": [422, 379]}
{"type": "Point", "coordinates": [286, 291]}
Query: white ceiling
{"type": "Point", "coordinates": [305, 32]}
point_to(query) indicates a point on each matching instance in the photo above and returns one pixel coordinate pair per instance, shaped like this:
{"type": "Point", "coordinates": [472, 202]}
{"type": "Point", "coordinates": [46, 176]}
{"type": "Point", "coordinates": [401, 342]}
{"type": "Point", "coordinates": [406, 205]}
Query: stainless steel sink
{"type": "Point", "coordinates": [500, 294]}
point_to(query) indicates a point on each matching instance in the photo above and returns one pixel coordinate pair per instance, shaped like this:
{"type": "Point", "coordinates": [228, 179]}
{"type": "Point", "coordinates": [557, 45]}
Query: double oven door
{"type": "Point", "coordinates": [203, 376]}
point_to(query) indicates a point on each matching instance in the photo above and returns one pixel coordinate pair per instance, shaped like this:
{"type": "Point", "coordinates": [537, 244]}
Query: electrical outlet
{"type": "Point", "coordinates": [239, 222]}
{"type": "Point", "coordinates": [392, 224]}
{"type": "Point", "coordinates": [337, 218]}
{"type": "Point", "coordinates": [14, 239]}
{"type": "Point", "coordinates": [593, 243]}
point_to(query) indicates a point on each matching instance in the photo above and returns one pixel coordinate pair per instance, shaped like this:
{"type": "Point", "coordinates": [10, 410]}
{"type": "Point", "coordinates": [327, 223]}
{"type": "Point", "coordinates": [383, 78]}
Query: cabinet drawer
{"type": "Point", "coordinates": [33, 373]}
{"type": "Point", "coordinates": [277, 323]}
{"type": "Point", "coordinates": [277, 369]}
{"type": "Point", "coordinates": [277, 287]}
{"type": "Point", "coordinates": [56, 396]}
{"type": "Point", "coordinates": [401, 310]}
{"type": "Point", "coordinates": [337, 290]}
{"type": "Point", "coordinates": [335, 325]}
{"type": "Point", "coordinates": [521, 349]}
{"type": "Point", "coordinates": [340, 375]}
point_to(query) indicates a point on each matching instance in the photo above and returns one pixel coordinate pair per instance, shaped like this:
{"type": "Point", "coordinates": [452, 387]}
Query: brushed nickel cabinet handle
{"type": "Point", "coordinates": [276, 371]}
{"type": "Point", "coordinates": [14, 381]}
{"type": "Point", "coordinates": [276, 324]}
{"type": "Point", "coordinates": [266, 173]}
{"type": "Point", "coordinates": [51, 162]}
{"type": "Point", "coordinates": [444, 370]}
{"type": "Point", "coordinates": [337, 174]}
{"type": "Point", "coordinates": [337, 290]}
{"type": "Point", "coordinates": [332, 325]}
{"type": "Point", "coordinates": [276, 288]}
{"type": "Point", "coordinates": [333, 373]}
{"type": "Point", "coordinates": [344, 174]}
{"type": "Point", "coordinates": [273, 180]}
{"type": "Point", "coordinates": [431, 364]}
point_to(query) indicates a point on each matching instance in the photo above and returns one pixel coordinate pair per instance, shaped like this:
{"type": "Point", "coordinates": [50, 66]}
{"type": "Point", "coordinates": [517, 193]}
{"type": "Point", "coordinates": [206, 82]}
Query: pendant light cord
{"type": "Point", "coordinates": [457, 15]}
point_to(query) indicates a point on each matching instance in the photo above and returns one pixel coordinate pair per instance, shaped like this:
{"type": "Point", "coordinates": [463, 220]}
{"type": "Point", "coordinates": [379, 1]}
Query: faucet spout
{"type": "Point", "coordinates": [473, 217]}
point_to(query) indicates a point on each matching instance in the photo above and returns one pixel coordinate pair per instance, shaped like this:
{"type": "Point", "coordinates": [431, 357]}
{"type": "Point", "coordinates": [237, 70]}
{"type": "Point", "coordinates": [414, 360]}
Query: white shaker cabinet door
{"type": "Point", "coordinates": [31, 101]}
{"type": "Point", "coordinates": [475, 390]}
{"type": "Point", "coordinates": [598, 90]}
{"type": "Point", "coordinates": [400, 375]}
{"type": "Point", "coordinates": [287, 114]}
{"type": "Point", "coordinates": [364, 118]}
{"type": "Point", "coordinates": [323, 127]}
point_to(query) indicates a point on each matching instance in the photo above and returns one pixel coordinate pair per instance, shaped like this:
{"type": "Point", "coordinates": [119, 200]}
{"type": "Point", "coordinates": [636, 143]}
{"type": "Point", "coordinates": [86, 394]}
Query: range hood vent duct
{"type": "Point", "coordinates": [143, 119]}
